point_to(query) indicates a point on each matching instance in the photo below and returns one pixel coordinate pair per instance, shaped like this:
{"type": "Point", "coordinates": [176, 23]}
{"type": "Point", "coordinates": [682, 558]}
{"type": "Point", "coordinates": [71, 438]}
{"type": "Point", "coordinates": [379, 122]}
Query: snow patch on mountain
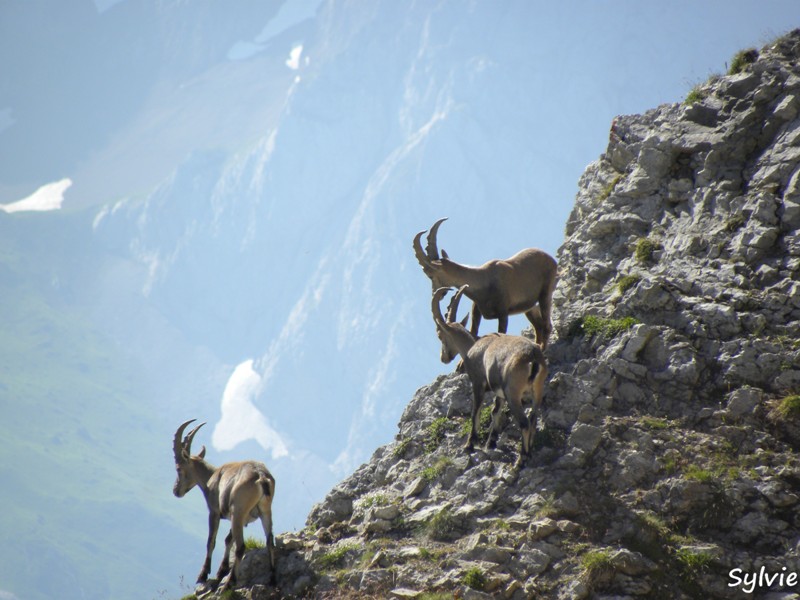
{"type": "Point", "coordinates": [241, 420]}
{"type": "Point", "coordinates": [48, 197]}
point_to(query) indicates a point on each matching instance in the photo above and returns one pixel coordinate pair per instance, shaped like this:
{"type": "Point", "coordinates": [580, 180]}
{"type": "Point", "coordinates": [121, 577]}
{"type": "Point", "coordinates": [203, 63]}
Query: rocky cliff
{"type": "Point", "coordinates": [665, 462]}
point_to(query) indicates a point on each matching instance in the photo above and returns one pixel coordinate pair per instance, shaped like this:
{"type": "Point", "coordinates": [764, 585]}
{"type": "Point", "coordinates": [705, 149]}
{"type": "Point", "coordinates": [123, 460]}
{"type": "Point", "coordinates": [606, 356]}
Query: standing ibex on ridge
{"type": "Point", "coordinates": [239, 491]}
{"type": "Point", "coordinates": [523, 283]}
{"type": "Point", "coordinates": [510, 366]}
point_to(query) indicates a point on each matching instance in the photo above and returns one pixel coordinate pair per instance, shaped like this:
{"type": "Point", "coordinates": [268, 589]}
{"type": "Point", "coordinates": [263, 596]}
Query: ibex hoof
{"type": "Point", "coordinates": [225, 584]}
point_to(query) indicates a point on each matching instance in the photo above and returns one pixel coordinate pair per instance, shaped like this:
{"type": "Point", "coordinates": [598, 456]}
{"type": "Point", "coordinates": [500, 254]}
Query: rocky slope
{"type": "Point", "coordinates": [666, 454]}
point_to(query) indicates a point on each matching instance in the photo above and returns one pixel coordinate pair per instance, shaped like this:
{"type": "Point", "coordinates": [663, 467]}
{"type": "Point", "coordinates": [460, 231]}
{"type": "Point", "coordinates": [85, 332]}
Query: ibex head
{"type": "Point", "coordinates": [449, 349]}
{"type": "Point", "coordinates": [183, 455]}
{"type": "Point", "coordinates": [429, 260]}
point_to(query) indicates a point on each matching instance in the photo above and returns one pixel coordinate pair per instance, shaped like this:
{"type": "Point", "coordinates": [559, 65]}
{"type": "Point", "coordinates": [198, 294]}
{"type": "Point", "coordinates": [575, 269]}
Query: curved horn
{"type": "Point", "coordinates": [430, 249]}
{"type": "Point", "coordinates": [187, 443]}
{"type": "Point", "coordinates": [421, 258]}
{"type": "Point", "coordinates": [452, 308]}
{"type": "Point", "coordinates": [177, 447]}
{"type": "Point", "coordinates": [435, 308]}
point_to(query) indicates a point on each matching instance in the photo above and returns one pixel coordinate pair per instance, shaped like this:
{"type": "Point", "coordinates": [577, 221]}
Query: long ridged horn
{"type": "Point", "coordinates": [430, 249]}
{"type": "Point", "coordinates": [177, 446]}
{"type": "Point", "coordinates": [423, 260]}
{"type": "Point", "coordinates": [187, 443]}
{"type": "Point", "coordinates": [452, 308]}
{"type": "Point", "coordinates": [435, 308]}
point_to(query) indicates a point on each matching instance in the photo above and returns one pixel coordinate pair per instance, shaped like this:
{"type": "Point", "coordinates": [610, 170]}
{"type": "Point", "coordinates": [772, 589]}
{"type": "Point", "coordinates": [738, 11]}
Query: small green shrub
{"type": "Point", "coordinates": [654, 423]}
{"type": "Point", "coordinates": [699, 474]}
{"type": "Point", "coordinates": [335, 556]}
{"type": "Point", "coordinates": [375, 500]}
{"type": "Point", "coordinates": [401, 447]}
{"type": "Point", "coordinates": [484, 422]}
{"type": "Point", "coordinates": [436, 432]}
{"type": "Point", "coordinates": [607, 191]}
{"type": "Point", "coordinates": [253, 543]}
{"type": "Point", "coordinates": [645, 250]}
{"type": "Point", "coordinates": [435, 470]}
{"type": "Point", "coordinates": [425, 554]}
{"type": "Point", "coordinates": [627, 282]}
{"type": "Point", "coordinates": [741, 59]}
{"type": "Point", "coordinates": [734, 222]}
{"type": "Point", "coordinates": [693, 560]}
{"type": "Point", "coordinates": [596, 562]}
{"type": "Point", "coordinates": [547, 508]}
{"type": "Point", "coordinates": [696, 94]}
{"type": "Point", "coordinates": [475, 579]}
{"type": "Point", "coordinates": [789, 407]}
{"type": "Point", "coordinates": [671, 465]}
{"type": "Point", "coordinates": [592, 325]}
{"type": "Point", "coordinates": [442, 526]}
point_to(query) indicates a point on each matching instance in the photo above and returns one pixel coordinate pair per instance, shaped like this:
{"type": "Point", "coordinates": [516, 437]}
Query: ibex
{"type": "Point", "coordinates": [523, 283]}
{"type": "Point", "coordinates": [239, 491]}
{"type": "Point", "coordinates": [510, 366]}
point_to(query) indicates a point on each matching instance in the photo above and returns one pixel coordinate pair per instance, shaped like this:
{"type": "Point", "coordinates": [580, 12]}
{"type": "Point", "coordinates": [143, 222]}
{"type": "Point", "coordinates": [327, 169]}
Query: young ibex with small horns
{"type": "Point", "coordinates": [523, 283]}
{"type": "Point", "coordinates": [239, 491]}
{"type": "Point", "coordinates": [510, 366]}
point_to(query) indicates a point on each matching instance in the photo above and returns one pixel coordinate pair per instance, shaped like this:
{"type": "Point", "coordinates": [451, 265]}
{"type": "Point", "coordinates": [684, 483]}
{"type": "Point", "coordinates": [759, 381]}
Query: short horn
{"type": "Point", "coordinates": [430, 249]}
{"type": "Point", "coordinates": [435, 308]}
{"type": "Point", "coordinates": [177, 447]}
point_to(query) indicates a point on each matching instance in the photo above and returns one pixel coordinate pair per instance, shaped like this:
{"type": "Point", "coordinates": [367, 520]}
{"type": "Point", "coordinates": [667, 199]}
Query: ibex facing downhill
{"type": "Point", "coordinates": [510, 366]}
{"type": "Point", "coordinates": [523, 283]}
{"type": "Point", "coordinates": [239, 491]}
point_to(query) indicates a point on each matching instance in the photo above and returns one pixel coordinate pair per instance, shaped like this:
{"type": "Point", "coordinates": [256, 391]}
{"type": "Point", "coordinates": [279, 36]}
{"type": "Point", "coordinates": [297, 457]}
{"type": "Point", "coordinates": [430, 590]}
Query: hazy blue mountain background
{"type": "Point", "coordinates": [235, 244]}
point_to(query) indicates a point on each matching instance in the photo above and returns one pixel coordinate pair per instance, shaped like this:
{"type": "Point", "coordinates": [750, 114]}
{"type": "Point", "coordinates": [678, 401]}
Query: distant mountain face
{"type": "Point", "coordinates": [244, 200]}
{"type": "Point", "coordinates": [293, 252]}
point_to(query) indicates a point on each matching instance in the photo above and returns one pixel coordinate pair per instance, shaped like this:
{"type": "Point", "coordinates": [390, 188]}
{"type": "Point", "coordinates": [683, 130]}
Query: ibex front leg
{"type": "Point", "coordinates": [213, 526]}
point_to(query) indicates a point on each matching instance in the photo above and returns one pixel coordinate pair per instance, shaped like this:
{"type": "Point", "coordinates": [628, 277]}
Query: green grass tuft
{"type": "Point", "coordinates": [734, 222]}
{"type": "Point", "coordinates": [591, 325]}
{"type": "Point", "coordinates": [335, 556]}
{"type": "Point", "coordinates": [609, 189]}
{"type": "Point", "coordinates": [789, 407]}
{"type": "Point", "coordinates": [741, 59]}
{"type": "Point", "coordinates": [434, 471]}
{"type": "Point", "coordinates": [436, 432]}
{"type": "Point", "coordinates": [442, 526]}
{"type": "Point", "coordinates": [253, 543]}
{"type": "Point", "coordinates": [596, 562]}
{"type": "Point", "coordinates": [699, 474]}
{"type": "Point", "coordinates": [627, 282]}
{"type": "Point", "coordinates": [645, 250]}
{"type": "Point", "coordinates": [696, 94]}
{"type": "Point", "coordinates": [475, 579]}
{"type": "Point", "coordinates": [654, 423]}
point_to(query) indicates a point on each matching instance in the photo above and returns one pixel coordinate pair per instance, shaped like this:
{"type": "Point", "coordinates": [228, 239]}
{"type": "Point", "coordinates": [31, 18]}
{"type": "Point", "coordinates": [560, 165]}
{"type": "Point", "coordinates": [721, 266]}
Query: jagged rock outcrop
{"type": "Point", "coordinates": [666, 455]}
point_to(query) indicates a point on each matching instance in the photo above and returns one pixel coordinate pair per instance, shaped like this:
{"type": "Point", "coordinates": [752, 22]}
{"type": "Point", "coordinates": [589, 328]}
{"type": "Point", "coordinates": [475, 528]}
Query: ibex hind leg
{"type": "Point", "coordinates": [477, 400]}
{"type": "Point", "coordinates": [224, 566]}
